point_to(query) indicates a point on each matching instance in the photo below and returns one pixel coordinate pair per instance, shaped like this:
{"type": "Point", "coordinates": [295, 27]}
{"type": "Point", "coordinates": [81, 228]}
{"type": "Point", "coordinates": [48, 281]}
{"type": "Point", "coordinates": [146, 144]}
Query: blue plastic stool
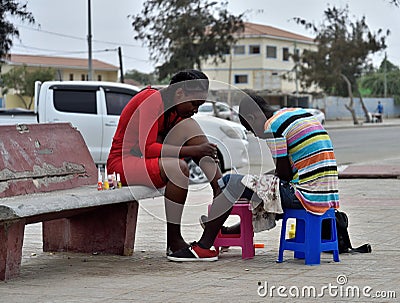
{"type": "Point", "coordinates": [307, 243]}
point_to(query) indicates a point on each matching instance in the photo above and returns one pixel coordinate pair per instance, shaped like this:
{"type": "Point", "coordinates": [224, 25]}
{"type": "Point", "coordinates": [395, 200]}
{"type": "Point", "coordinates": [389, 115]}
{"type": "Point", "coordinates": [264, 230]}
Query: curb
{"type": "Point", "coordinates": [370, 172]}
{"type": "Point", "coordinates": [350, 126]}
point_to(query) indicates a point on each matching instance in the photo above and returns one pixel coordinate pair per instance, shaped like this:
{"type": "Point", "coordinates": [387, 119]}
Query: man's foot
{"type": "Point", "coordinates": [233, 230]}
{"type": "Point", "coordinates": [175, 246]}
{"type": "Point", "coordinates": [193, 253]}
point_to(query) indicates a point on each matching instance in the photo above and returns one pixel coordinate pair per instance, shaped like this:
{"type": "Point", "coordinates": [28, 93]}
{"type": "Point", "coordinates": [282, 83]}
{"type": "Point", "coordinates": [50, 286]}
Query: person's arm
{"type": "Point", "coordinates": [278, 148]}
{"type": "Point", "coordinates": [284, 169]}
{"type": "Point", "coordinates": [149, 139]}
{"type": "Point", "coordinates": [195, 151]}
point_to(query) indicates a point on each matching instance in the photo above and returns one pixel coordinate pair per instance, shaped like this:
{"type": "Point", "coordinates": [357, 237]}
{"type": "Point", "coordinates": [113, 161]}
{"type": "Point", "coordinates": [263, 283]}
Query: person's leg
{"type": "Point", "coordinates": [175, 173]}
{"type": "Point", "coordinates": [232, 190]}
{"type": "Point", "coordinates": [288, 198]}
{"type": "Point", "coordinates": [200, 251]}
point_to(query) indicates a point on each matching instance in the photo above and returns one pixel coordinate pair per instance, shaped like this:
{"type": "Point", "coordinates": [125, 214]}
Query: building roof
{"type": "Point", "coordinates": [58, 62]}
{"type": "Point", "coordinates": [253, 29]}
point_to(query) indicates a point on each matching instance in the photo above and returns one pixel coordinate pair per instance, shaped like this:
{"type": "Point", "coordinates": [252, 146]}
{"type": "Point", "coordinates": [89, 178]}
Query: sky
{"type": "Point", "coordinates": [61, 27]}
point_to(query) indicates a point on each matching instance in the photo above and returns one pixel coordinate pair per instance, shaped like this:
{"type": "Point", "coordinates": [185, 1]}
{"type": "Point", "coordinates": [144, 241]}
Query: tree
{"type": "Point", "coordinates": [7, 29]}
{"type": "Point", "coordinates": [182, 33]}
{"type": "Point", "coordinates": [142, 78]}
{"type": "Point", "coordinates": [343, 53]}
{"type": "Point", "coordinates": [375, 81]}
{"type": "Point", "coordinates": [22, 81]}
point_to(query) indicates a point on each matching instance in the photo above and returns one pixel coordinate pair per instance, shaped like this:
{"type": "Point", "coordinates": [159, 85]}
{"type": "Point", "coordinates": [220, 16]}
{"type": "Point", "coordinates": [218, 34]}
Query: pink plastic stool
{"type": "Point", "coordinates": [245, 238]}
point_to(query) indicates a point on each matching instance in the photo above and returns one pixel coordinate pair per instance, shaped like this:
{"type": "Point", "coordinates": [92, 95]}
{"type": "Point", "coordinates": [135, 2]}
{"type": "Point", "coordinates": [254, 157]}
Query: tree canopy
{"type": "Point", "coordinates": [343, 53]}
{"type": "Point", "coordinates": [384, 80]}
{"type": "Point", "coordinates": [7, 29]}
{"type": "Point", "coordinates": [142, 78]}
{"type": "Point", "coordinates": [181, 33]}
{"type": "Point", "coordinates": [23, 80]}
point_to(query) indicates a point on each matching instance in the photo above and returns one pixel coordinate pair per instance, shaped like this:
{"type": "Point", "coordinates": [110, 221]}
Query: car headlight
{"type": "Point", "coordinates": [233, 132]}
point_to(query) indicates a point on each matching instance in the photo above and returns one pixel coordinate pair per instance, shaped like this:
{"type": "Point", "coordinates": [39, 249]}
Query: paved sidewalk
{"type": "Point", "coordinates": [373, 206]}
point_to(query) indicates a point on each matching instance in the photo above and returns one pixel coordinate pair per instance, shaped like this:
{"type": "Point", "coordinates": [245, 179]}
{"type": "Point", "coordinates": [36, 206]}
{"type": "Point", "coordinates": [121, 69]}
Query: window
{"type": "Point", "coordinates": [254, 49]}
{"type": "Point", "coordinates": [98, 77]}
{"type": "Point", "coordinates": [240, 79]}
{"type": "Point", "coordinates": [83, 102]}
{"type": "Point", "coordinates": [83, 77]}
{"type": "Point", "coordinates": [117, 100]}
{"type": "Point", "coordinates": [285, 54]}
{"type": "Point", "coordinates": [227, 50]}
{"type": "Point", "coordinates": [71, 77]}
{"type": "Point", "coordinates": [271, 51]}
{"type": "Point", "coordinates": [239, 50]}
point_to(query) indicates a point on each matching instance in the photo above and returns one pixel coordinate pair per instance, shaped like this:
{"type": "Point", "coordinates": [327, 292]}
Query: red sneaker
{"type": "Point", "coordinates": [193, 253]}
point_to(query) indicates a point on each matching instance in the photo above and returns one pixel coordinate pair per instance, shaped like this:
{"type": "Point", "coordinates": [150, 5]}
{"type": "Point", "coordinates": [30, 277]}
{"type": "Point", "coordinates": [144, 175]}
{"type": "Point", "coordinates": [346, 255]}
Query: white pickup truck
{"type": "Point", "coordinates": [94, 109]}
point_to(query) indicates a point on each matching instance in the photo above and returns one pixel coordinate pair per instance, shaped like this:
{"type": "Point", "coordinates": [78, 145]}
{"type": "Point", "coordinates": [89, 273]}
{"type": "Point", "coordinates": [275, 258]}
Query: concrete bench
{"type": "Point", "coordinates": [48, 175]}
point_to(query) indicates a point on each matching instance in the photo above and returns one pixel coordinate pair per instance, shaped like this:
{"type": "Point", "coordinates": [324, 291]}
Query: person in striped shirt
{"type": "Point", "coordinates": [309, 165]}
{"type": "Point", "coordinates": [305, 163]}
{"type": "Point", "coordinates": [302, 150]}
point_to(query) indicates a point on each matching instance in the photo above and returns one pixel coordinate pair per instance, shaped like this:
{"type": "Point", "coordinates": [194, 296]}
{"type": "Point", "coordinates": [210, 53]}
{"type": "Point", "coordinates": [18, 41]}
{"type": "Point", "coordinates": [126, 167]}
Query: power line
{"type": "Point", "coordinates": [26, 47]}
{"type": "Point", "coordinates": [143, 60]}
{"type": "Point", "coordinates": [53, 52]}
{"type": "Point", "coordinates": [77, 38]}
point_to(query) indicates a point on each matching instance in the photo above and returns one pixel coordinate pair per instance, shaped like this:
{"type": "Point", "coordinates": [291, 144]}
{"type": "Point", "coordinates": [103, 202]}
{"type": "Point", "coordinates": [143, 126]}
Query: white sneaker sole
{"type": "Point", "coordinates": [176, 259]}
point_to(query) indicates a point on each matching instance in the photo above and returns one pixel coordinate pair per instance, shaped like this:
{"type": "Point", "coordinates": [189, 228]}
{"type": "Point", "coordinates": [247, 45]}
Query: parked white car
{"type": "Point", "coordinates": [317, 113]}
{"type": "Point", "coordinates": [217, 109]}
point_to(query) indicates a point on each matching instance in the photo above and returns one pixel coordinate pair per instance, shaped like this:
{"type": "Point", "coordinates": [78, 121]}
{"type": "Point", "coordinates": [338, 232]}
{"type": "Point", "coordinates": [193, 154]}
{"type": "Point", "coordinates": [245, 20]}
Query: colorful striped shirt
{"type": "Point", "coordinates": [299, 135]}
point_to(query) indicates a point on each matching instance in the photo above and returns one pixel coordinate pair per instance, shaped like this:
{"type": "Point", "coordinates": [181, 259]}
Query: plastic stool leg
{"type": "Point", "coordinates": [282, 240]}
{"type": "Point", "coordinates": [300, 237]}
{"type": "Point", "coordinates": [334, 238]}
{"type": "Point", "coordinates": [313, 240]}
{"type": "Point", "coordinates": [246, 225]}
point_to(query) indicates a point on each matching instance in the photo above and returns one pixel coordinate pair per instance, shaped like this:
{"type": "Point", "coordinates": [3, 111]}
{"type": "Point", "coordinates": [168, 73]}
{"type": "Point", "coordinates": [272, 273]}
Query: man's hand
{"type": "Point", "coordinates": [205, 150]}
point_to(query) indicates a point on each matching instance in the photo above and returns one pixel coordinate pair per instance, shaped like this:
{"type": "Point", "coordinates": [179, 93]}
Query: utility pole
{"type": "Point", "coordinates": [89, 38]}
{"type": "Point", "coordinates": [120, 64]}
{"type": "Point", "coordinates": [230, 76]}
{"type": "Point", "coordinates": [385, 77]}
{"type": "Point", "coordinates": [296, 72]}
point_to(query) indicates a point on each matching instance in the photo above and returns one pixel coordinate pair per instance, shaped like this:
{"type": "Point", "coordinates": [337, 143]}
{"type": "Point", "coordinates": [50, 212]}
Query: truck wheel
{"type": "Point", "coordinates": [196, 175]}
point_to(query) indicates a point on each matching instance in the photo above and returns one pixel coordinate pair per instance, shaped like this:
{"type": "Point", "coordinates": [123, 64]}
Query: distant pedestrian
{"type": "Point", "coordinates": [379, 112]}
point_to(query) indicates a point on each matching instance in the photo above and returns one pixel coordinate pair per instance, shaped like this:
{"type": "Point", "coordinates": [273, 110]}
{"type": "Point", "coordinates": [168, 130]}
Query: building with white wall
{"type": "Point", "coordinates": [260, 60]}
{"type": "Point", "coordinates": [65, 68]}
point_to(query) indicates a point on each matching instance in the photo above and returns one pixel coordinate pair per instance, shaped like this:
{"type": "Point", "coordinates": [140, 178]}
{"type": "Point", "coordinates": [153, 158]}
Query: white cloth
{"type": "Point", "coordinates": [266, 186]}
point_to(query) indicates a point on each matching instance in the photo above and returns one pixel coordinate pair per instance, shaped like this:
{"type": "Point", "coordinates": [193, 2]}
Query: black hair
{"type": "Point", "coordinates": [189, 74]}
{"type": "Point", "coordinates": [185, 79]}
{"type": "Point", "coordinates": [253, 103]}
